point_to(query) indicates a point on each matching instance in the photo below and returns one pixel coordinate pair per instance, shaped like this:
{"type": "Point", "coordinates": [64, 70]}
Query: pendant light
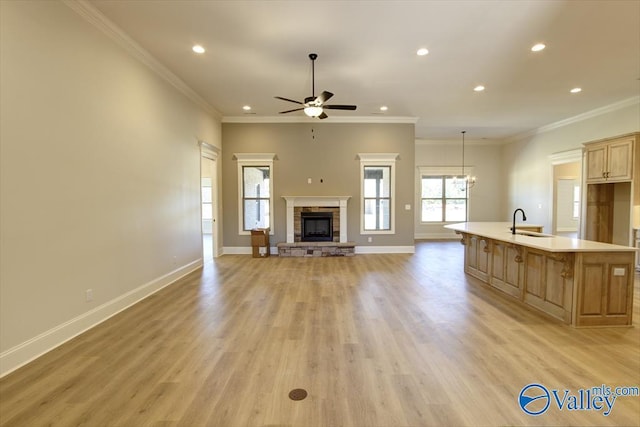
{"type": "Point", "coordinates": [466, 180]}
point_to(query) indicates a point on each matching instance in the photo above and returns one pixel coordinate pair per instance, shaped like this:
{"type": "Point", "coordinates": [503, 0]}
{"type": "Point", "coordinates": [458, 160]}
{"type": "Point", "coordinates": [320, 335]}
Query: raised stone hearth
{"type": "Point", "coordinates": [316, 249]}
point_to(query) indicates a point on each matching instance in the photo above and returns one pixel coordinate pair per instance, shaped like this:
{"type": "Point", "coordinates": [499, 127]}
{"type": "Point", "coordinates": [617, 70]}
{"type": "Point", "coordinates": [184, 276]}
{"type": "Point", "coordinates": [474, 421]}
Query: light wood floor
{"type": "Point", "coordinates": [376, 340]}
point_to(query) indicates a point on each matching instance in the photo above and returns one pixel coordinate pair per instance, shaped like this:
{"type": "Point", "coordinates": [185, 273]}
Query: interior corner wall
{"type": "Point", "coordinates": [99, 186]}
{"type": "Point", "coordinates": [528, 172]}
{"type": "Point", "coordinates": [485, 197]}
{"type": "Point", "coordinates": [320, 151]}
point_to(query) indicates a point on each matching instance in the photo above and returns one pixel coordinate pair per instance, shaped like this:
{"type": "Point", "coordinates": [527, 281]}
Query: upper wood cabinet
{"type": "Point", "coordinates": [610, 160]}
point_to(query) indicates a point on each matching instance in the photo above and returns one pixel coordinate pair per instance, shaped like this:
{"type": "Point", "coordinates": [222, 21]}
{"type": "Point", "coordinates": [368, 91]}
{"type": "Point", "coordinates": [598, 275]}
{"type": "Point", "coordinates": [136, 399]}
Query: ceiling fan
{"type": "Point", "coordinates": [314, 106]}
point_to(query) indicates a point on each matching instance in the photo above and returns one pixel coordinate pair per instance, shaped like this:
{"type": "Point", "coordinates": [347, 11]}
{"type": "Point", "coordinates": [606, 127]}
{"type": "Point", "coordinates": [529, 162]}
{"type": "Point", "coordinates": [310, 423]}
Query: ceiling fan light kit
{"type": "Point", "coordinates": [314, 106]}
{"type": "Point", "coordinates": [313, 111]}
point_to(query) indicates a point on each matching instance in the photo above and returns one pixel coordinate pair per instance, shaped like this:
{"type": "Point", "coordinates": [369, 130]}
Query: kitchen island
{"type": "Point", "coordinates": [580, 282]}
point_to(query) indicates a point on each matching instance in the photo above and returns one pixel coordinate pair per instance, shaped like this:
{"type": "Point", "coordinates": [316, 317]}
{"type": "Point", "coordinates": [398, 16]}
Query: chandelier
{"type": "Point", "coordinates": [464, 182]}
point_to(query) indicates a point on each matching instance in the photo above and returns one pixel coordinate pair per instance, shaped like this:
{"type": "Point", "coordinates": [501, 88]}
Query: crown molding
{"type": "Point", "coordinates": [580, 117]}
{"type": "Point", "coordinates": [305, 119]}
{"type": "Point", "coordinates": [566, 157]}
{"type": "Point", "coordinates": [100, 21]}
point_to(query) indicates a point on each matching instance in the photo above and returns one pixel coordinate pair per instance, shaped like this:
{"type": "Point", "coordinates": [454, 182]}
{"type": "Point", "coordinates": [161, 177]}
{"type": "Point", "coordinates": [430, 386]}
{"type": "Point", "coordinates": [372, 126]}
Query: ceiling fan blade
{"type": "Point", "coordinates": [290, 100]}
{"type": "Point", "coordinates": [323, 97]}
{"type": "Point", "coordinates": [323, 116]}
{"type": "Point", "coordinates": [291, 111]}
{"type": "Point", "coordinates": [339, 107]}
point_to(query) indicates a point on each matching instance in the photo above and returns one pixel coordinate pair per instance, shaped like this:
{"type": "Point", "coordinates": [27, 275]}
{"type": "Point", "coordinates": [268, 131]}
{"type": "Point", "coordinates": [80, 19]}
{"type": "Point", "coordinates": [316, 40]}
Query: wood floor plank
{"type": "Point", "coordinates": [376, 340]}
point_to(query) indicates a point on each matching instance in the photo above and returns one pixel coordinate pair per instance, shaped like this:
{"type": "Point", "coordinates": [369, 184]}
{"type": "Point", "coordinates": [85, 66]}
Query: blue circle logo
{"type": "Point", "coordinates": [534, 399]}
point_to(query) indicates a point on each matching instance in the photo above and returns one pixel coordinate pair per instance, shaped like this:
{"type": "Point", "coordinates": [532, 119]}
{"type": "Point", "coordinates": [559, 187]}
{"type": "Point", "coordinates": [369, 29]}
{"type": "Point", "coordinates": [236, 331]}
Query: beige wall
{"type": "Point", "coordinates": [528, 172]}
{"type": "Point", "coordinates": [328, 153]}
{"type": "Point", "coordinates": [99, 178]}
{"type": "Point", "coordinates": [485, 197]}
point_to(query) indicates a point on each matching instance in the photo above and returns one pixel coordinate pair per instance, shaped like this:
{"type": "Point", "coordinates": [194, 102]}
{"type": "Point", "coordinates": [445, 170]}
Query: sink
{"type": "Point", "coordinates": [532, 234]}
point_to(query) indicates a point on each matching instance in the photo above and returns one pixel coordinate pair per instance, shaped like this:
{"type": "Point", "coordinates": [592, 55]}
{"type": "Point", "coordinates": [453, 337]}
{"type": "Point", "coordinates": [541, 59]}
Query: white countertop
{"type": "Point", "coordinates": [546, 242]}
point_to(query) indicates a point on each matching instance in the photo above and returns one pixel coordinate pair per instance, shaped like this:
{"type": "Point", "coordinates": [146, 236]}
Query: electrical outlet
{"type": "Point", "coordinates": [618, 272]}
{"type": "Point", "coordinates": [369, 239]}
{"type": "Point", "coordinates": [88, 295]}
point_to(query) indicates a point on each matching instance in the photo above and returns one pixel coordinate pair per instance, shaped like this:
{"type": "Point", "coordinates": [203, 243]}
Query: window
{"type": "Point", "coordinates": [576, 202]}
{"type": "Point", "coordinates": [207, 200]}
{"type": "Point", "coordinates": [443, 199]}
{"type": "Point", "coordinates": [256, 197]}
{"type": "Point", "coordinates": [377, 172]}
{"type": "Point", "coordinates": [255, 192]}
{"type": "Point", "coordinates": [377, 197]}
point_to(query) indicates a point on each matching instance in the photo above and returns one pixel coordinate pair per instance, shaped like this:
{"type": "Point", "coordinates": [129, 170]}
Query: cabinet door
{"type": "Point", "coordinates": [620, 156]}
{"type": "Point", "coordinates": [549, 284]}
{"type": "Point", "coordinates": [506, 271]}
{"type": "Point", "coordinates": [605, 295]}
{"type": "Point", "coordinates": [477, 258]}
{"type": "Point", "coordinates": [596, 163]}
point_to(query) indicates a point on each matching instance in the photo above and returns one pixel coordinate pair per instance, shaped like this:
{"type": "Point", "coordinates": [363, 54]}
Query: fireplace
{"type": "Point", "coordinates": [316, 226]}
{"type": "Point", "coordinates": [335, 204]}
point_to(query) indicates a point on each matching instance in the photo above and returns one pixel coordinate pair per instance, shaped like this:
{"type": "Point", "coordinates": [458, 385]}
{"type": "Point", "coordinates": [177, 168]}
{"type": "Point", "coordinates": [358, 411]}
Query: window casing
{"type": "Point", "coordinates": [255, 192]}
{"type": "Point", "coordinates": [377, 186]}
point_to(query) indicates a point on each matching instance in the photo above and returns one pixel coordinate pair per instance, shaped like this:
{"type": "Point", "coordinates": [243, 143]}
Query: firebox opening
{"type": "Point", "coordinates": [316, 226]}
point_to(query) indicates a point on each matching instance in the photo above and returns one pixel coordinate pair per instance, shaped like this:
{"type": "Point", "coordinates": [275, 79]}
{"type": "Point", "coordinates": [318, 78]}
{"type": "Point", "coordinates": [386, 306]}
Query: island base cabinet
{"type": "Point", "coordinates": [585, 284]}
{"type": "Point", "coordinates": [506, 268]}
{"type": "Point", "coordinates": [477, 257]}
{"type": "Point", "coordinates": [549, 283]}
{"type": "Point", "coordinates": [606, 295]}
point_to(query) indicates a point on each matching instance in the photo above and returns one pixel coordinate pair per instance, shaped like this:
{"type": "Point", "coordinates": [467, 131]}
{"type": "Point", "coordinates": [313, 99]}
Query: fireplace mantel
{"type": "Point", "coordinates": [320, 201]}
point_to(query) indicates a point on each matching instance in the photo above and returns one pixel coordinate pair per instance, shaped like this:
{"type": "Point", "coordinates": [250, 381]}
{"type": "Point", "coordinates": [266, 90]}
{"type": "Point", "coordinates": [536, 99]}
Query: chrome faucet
{"type": "Point", "coordinates": [524, 218]}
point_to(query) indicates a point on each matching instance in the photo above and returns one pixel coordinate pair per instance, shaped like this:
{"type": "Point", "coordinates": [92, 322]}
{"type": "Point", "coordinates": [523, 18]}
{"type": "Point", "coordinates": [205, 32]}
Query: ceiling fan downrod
{"type": "Point", "coordinates": [313, 57]}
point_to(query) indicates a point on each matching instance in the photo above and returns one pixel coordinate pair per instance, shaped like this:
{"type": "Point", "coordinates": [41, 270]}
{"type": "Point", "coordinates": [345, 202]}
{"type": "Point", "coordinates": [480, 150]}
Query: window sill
{"type": "Point", "coordinates": [365, 232]}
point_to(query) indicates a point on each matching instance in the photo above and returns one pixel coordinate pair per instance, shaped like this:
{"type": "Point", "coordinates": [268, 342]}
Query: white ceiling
{"type": "Point", "coordinates": [367, 56]}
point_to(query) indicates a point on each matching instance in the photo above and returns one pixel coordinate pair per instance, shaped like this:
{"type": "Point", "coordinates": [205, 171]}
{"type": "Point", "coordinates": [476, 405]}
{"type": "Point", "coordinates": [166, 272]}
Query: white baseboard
{"type": "Point", "coordinates": [20, 355]}
{"type": "Point", "coordinates": [246, 250]}
{"type": "Point", "coordinates": [385, 249]}
{"type": "Point", "coordinates": [436, 236]}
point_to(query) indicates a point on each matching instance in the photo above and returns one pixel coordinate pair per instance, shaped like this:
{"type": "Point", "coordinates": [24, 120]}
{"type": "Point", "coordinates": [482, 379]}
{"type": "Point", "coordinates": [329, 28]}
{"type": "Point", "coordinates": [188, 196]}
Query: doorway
{"type": "Point", "coordinates": [567, 199]}
{"type": "Point", "coordinates": [209, 202]}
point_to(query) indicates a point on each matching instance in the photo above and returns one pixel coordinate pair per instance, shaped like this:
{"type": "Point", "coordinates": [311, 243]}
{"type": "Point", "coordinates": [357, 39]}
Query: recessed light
{"type": "Point", "coordinates": [576, 90]}
{"type": "Point", "coordinates": [198, 49]}
{"type": "Point", "coordinates": [422, 51]}
{"type": "Point", "coordinates": [538, 47]}
{"type": "Point", "coordinates": [384, 108]}
{"type": "Point", "coordinates": [246, 108]}
{"type": "Point", "coordinates": [479, 88]}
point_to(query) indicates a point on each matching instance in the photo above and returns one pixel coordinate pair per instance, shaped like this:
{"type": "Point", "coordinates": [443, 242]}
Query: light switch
{"type": "Point", "coordinates": [407, 207]}
{"type": "Point", "coordinates": [308, 180]}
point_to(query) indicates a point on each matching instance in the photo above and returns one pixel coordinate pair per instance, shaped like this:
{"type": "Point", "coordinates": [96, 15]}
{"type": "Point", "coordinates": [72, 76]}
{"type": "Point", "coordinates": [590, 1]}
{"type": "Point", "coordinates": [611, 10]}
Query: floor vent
{"type": "Point", "coordinates": [297, 394]}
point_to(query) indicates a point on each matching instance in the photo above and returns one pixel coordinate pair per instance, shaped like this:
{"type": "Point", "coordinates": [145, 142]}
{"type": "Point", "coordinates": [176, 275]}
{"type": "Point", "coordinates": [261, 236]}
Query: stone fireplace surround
{"type": "Point", "coordinates": [295, 248]}
{"type": "Point", "coordinates": [314, 202]}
